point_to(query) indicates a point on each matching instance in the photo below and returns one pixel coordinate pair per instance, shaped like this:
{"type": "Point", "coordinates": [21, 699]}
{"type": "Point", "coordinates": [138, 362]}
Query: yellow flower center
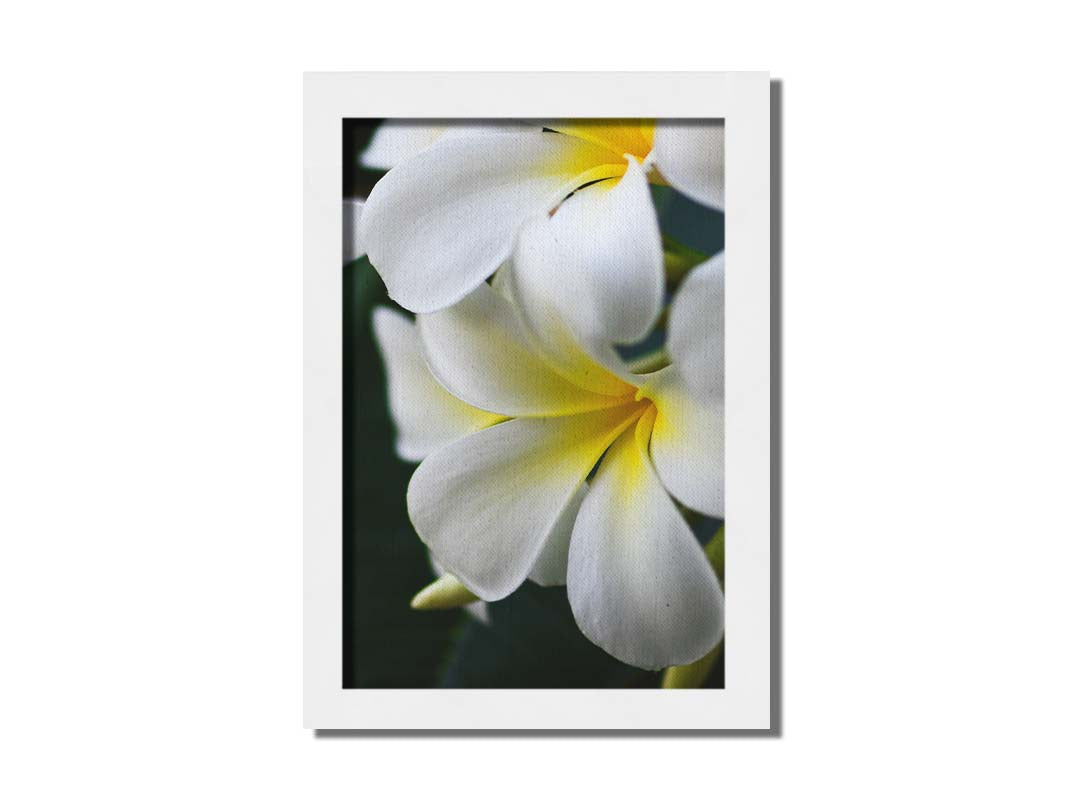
{"type": "Point", "coordinates": [634, 418]}
{"type": "Point", "coordinates": [622, 137]}
{"type": "Point", "coordinates": [613, 140]}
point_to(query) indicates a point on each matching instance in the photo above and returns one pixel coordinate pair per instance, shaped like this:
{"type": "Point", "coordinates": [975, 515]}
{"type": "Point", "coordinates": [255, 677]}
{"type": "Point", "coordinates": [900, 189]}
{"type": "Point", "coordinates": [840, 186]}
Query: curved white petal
{"type": "Point", "coordinates": [352, 246]}
{"type": "Point", "coordinates": [426, 416]}
{"type": "Point", "coordinates": [399, 140]}
{"type": "Point", "coordinates": [477, 349]}
{"type": "Point", "coordinates": [438, 224]}
{"type": "Point", "coordinates": [598, 261]}
{"type": "Point", "coordinates": [485, 505]}
{"type": "Point", "coordinates": [550, 569]}
{"type": "Point", "coordinates": [691, 156]}
{"type": "Point", "coordinates": [688, 442]}
{"type": "Point", "coordinates": [573, 304]}
{"type": "Point", "coordinates": [588, 362]}
{"type": "Point", "coordinates": [479, 610]}
{"type": "Point", "coordinates": [696, 329]}
{"type": "Point", "coordinates": [638, 582]}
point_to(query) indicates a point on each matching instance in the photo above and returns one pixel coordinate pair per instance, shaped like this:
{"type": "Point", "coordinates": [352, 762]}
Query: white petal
{"type": "Point", "coordinates": [587, 362]}
{"type": "Point", "coordinates": [696, 328]}
{"type": "Point", "coordinates": [688, 442]}
{"type": "Point", "coordinates": [551, 566]}
{"type": "Point", "coordinates": [691, 157]}
{"type": "Point", "coordinates": [598, 261]}
{"type": "Point", "coordinates": [399, 140]}
{"type": "Point", "coordinates": [638, 582]}
{"type": "Point", "coordinates": [352, 211]}
{"type": "Point", "coordinates": [478, 351]}
{"type": "Point", "coordinates": [427, 417]}
{"type": "Point", "coordinates": [478, 610]}
{"type": "Point", "coordinates": [440, 223]}
{"type": "Point", "coordinates": [485, 505]}
{"type": "Point", "coordinates": [571, 323]}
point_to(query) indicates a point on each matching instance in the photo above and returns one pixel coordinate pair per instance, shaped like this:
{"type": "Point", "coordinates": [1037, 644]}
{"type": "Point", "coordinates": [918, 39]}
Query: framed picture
{"type": "Point", "coordinates": [537, 401]}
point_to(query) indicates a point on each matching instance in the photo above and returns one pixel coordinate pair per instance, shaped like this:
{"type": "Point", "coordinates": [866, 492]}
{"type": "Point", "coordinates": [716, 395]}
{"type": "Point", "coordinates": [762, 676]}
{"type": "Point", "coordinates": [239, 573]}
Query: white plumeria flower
{"type": "Point", "coordinates": [448, 212]}
{"type": "Point", "coordinates": [513, 410]}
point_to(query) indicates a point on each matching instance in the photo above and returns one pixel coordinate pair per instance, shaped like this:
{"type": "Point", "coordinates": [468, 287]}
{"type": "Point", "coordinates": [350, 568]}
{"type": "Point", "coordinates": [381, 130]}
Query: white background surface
{"type": "Point", "coordinates": [150, 440]}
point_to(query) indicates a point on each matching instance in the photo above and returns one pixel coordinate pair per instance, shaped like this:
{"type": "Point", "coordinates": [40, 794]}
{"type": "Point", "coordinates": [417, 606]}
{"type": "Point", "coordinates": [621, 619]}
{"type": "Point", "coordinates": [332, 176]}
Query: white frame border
{"type": "Point", "coordinates": [743, 99]}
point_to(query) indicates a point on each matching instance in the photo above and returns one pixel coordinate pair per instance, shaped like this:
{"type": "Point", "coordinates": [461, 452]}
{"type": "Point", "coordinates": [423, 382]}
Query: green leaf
{"type": "Point", "coordinates": [715, 550]}
{"type": "Point", "coordinates": [678, 259]}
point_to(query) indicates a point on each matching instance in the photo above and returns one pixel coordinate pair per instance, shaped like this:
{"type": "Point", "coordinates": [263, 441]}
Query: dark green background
{"type": "Point", "coordinates": [533, 641]}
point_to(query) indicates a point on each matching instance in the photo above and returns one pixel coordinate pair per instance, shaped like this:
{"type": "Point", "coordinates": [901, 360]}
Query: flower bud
{"type": "Point", "coordinates": [445, 592]}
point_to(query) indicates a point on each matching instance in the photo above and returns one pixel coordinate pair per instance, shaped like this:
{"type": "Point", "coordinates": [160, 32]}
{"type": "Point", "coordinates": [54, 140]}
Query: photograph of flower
{"type": "Point", "coordinates": [533, 404]}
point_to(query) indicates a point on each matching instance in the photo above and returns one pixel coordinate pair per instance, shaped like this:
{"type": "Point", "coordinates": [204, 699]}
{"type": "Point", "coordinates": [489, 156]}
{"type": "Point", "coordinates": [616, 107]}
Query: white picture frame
{"type": "Point", "coordinates": [743, 100]}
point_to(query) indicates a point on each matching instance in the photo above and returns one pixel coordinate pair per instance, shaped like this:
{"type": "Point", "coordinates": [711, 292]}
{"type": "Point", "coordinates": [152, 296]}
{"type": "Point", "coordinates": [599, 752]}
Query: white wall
{"type": "Point", "coordinates": [150, 320]}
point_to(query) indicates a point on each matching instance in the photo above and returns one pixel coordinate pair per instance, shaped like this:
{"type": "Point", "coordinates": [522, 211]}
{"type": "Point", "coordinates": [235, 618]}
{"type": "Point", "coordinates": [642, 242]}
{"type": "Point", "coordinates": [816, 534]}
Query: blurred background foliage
{"type": "Point", "coordinates": [532, 640]}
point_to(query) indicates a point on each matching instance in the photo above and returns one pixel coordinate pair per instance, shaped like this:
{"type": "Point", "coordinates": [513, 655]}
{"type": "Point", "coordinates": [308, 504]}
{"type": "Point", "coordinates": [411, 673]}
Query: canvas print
{"type": "Point", "coordinates": [533, 404]}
